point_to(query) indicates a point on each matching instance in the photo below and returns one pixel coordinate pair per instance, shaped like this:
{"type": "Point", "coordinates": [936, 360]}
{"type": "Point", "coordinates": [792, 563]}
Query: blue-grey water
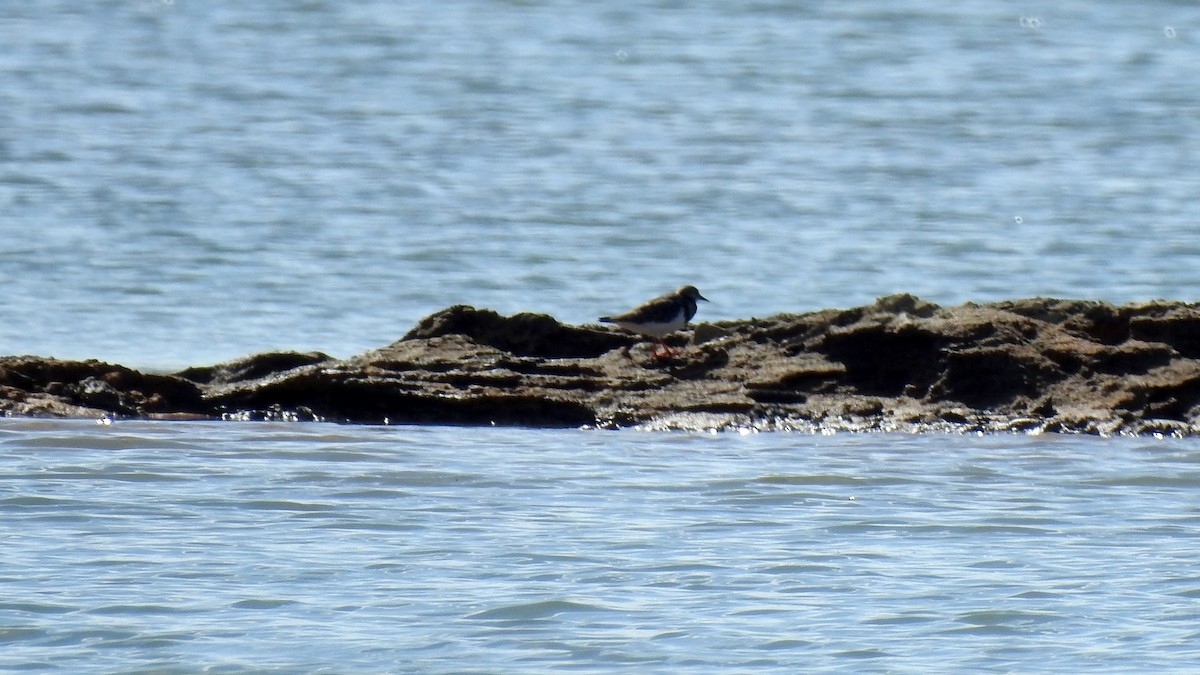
{"type": "Point", "coordinates": [183, 183]}
{"type": "Point", "coordinates": [235, 547]}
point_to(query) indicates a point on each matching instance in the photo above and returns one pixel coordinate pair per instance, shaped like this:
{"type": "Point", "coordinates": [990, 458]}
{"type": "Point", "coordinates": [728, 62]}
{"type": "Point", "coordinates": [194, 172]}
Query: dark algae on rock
{"type": "Point", "coordinates": [900, 364]}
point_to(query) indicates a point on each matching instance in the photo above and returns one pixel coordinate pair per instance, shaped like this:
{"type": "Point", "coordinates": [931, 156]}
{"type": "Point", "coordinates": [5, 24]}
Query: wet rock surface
{"type": "Point", "coordinates": [901, 364]}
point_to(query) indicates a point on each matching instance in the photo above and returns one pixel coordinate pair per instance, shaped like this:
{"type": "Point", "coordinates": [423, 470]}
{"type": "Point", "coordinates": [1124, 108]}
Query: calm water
{"type": "Point", "coordinates": [183, 183]}
{"type": "Point", "coordinates": [232, 547]}
{"type": "Point", "coordinates": [186, 182]}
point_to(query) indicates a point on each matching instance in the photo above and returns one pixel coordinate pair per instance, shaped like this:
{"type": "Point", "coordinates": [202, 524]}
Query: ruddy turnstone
{"type": "Point", "coordinates": [660, 317]}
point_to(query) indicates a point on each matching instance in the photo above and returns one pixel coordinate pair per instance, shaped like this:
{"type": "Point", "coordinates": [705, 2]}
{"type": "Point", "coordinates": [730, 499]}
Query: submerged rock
{"type": "Point", "coordinates": [901, 364]}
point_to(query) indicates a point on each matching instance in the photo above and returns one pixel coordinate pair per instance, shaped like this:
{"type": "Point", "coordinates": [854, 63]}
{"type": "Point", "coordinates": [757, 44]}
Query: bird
{"type": "Point", "coordinates": [660, 317]}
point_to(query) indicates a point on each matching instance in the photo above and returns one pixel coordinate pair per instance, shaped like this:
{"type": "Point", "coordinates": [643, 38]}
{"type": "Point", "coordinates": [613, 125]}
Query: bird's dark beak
{"type": "Point", "coordinates": [701, 297]}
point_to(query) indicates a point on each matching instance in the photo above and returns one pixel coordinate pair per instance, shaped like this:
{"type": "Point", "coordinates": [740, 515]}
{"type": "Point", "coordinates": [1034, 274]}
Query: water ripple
{"type": "Point", "coordinates": [318, 547]}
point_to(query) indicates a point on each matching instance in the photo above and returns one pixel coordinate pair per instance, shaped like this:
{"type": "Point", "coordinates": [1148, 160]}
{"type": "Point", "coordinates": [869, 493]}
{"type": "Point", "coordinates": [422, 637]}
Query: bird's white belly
{"type": "Point", "coordinates": [655, 330]}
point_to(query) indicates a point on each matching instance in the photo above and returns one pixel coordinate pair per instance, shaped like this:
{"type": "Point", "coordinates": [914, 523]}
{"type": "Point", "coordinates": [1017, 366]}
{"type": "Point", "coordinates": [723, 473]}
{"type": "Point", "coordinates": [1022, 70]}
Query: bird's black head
{"type": "Point", "coordinates": [692, 293]}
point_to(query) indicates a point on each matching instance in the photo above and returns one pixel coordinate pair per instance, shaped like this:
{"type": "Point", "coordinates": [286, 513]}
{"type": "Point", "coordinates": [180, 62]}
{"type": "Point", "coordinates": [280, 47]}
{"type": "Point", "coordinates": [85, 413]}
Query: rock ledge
{"type": "Point", "coordinates": [901, 364]}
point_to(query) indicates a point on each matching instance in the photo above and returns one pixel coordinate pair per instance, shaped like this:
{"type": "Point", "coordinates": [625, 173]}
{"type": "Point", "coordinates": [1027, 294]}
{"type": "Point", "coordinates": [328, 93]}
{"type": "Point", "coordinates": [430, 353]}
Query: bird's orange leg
{"type": "Point", "coordinates": [666, 349]}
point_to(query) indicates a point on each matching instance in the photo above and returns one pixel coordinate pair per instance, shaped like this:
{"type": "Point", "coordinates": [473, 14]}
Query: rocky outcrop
{"type": "Point", "coordinates": [31, 386]}
{"type": "Point", "coordinates": [901, 364]}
